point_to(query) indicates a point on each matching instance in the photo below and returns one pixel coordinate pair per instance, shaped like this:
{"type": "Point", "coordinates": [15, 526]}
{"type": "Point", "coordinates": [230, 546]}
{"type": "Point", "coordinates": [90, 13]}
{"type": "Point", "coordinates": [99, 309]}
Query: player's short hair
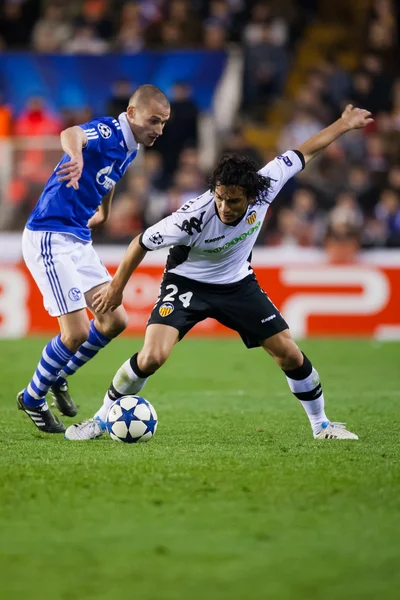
{"type": "Point", "coordinates": [145, 93]}
{"type": "Point", "coordinates": [240, 171]}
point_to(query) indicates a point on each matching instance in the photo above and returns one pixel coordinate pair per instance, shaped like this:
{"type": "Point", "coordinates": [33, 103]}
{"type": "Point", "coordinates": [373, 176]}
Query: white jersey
{"type": "Point", "coordinates": [206, 249]}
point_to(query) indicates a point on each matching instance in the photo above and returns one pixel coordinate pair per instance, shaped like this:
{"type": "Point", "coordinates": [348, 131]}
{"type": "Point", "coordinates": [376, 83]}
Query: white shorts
{"type": "Point", "coordinates": [64, 268]}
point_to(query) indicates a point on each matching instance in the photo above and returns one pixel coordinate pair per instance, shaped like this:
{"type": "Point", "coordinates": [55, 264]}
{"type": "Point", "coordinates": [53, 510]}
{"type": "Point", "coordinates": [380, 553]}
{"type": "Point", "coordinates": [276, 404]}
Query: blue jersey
{"type": "Point", "coordinates": [110, 149]}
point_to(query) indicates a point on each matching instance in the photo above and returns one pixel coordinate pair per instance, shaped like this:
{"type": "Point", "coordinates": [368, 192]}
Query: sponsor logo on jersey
{"type": "Point", "coordinates": [235, 241]}
{"type": "Point", "coordinates": [156, 239]}
{"type": "Point", "coordinates": [103, 178]}
{"type": "Point", "coordinates": [194, 223]}
{"type": "Point", "coordinates": [74, 294]}
{"type": "Point", "coordinates": [220, 237]}
{"type": "Point", "coordinates": [166, 309]}
{"type": "Point", "coordinates": [104, 130]}
{"type": "Point", "coordinates": [252, 217]}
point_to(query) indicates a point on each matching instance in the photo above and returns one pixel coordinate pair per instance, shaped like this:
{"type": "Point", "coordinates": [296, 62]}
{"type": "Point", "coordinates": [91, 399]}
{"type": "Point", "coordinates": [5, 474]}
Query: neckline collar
{"type": "Point", "coordinates": [234, 223]}
{"type": "Point", "coordinates": [129, 138]}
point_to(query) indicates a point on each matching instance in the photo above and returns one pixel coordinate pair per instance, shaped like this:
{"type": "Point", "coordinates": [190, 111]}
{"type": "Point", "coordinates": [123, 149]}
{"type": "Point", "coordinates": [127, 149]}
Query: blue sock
{"type": "Point", "coordinates": [95, 342]}
{"type": "Point", "coordinates": [54, 357]}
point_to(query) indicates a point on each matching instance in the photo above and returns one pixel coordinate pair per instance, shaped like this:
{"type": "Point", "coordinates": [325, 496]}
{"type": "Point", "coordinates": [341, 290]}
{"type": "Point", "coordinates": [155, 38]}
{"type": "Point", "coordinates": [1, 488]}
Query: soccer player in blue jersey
{"type": "Point", "coordinates": [58, 251]}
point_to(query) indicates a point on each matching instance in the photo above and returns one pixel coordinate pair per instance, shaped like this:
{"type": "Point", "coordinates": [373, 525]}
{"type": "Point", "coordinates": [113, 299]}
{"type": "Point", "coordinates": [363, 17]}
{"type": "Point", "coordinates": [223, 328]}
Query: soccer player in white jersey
{"type": "Point", "coordinates": [58, 251]}
{"type": "Point", "coordinates": [208, 274]}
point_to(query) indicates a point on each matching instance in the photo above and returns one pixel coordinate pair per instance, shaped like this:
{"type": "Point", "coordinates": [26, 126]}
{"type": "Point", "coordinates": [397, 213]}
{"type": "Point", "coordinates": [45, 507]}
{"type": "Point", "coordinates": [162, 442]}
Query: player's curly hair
{"type": "Point", "coordinates": [242, 172]}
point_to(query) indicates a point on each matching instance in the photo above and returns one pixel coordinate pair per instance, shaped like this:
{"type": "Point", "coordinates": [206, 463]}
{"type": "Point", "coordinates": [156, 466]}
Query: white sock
{"type": "Point", "coordinates": [309, 393]}
{"type": "Point", "coordinates": [125, 382]}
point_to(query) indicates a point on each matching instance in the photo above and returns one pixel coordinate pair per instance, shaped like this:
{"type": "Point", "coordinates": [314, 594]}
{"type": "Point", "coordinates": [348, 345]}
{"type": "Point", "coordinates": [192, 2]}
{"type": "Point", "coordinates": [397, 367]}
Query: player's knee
{"type": "Point", "coordinates": [149, 360]}
{"type": "Point", "coordinates": [74, 339]}
{"type": "Point", "coordinates": [289, 356]}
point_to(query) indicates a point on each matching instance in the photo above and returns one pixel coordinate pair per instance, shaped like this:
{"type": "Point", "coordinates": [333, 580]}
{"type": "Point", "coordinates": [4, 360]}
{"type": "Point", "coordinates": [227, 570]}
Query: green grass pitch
{"type": "Point", "coordinates": [233, 499]}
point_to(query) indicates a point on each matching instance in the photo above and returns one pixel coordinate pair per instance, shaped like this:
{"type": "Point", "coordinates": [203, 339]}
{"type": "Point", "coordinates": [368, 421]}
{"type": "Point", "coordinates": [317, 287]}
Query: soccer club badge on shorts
{"type": "Point", "coordinates": [166, 309]}
{"type": "Point", "coordinates": [74, 294]}
{"type": "Point", "coordinates": [252, 217]}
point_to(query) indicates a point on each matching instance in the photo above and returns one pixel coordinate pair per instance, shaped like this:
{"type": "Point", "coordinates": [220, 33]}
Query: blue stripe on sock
{"type": "Point", "coordinates": [68, 371]}
{"type": "Point", "coordinates": [88, 351]}
{"type": "Point", "coordinates": [35, 388]}
{"type": "Point", "coordinates": [56, 276]}
{"type": "Point", "coordinates": [61, 350]}
{"type": "Point", "coordinates": [78, 361]}
{"type": "Point", "coordinates": [48, 273]}
{"type": "Point", "coordinates": [43, 379]}
{"type": "Point", "coordinates": [49, 368]}
{"type": "Point", "coordinates": [96, 338]}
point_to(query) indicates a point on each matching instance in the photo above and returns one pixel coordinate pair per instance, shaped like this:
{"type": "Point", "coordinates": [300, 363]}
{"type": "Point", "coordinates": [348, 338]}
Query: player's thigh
{"type": "Point", "coordinates": [160, 339]}
{"type": "Point", "coordinates": [91, 270]}
{"type": "Point", "coordinates": [112, 321]}
{"type": "Point", "coordinates": [250, 312]}
{"type": "Point", "coordinates": [50, 257]}
{"type": "Point", "coordinates": [180, 304]}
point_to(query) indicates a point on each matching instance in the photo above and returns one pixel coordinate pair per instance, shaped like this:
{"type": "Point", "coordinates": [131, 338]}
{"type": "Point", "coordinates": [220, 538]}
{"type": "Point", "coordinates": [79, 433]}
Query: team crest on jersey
{"type": "Point", "coordinates": [74, 294]}
{"type": "Point", "coordinates": [252, 217]}
{"type": "Point", "coordinates": [166, 309]}
{"type": "Point", "coordinates": [104, 130]}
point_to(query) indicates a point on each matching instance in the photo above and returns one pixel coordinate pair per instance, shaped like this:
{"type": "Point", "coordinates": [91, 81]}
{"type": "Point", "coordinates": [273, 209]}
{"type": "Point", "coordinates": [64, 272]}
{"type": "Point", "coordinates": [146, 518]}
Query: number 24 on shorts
{"type": "Point", "coordinates": [184, 298]}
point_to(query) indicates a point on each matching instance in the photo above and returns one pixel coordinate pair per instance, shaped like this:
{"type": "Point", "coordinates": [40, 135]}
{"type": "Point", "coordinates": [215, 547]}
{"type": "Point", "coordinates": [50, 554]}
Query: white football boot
{"type": "Point", "coordinates": [333, 431]}
{"type": "Point", "coordinates": [87, 430]}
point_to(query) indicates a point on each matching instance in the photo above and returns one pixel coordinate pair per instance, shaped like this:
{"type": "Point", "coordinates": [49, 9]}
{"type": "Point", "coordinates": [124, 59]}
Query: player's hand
{"type": "Point", "coordinates": [106, 298]}
{"type": "Point", "coordinates": [71, 171]}
{"type": "Point", "coordinates": [356, 118]}
{"type": "Point", "coordinates": [98, 219]}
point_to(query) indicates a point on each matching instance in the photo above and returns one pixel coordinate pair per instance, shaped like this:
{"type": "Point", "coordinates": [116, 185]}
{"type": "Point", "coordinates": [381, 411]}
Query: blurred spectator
{"type": "Point", "coordinates": [215, 36]}
{"type": "Point", "coordinates": [52, 31]}
{"type": "Point", "coordinates": [342, 243]}
{"type": "Point", "coordinates": [236, 143]}
{"type": "Point", "coordinates": [387, 211]}
{"type": "Point", "coordinates": [130, 34]}
{"type": "Point", "coordinates": [122, 90]}
{"type": "Point", "coordinates": [359, 183]}
{"type": "Point", "coordinates": [260, 18]}
{"type": "Point", "coordinates": [85, 41]}
{"type": "Point", "coordinates": [181, 129]}
{"type": "Point", "coordinates": [302, 125]}
{"type": "Point", "coordinates": [17, 19]}
{"type": "Point", "coordinates": [125, 221]}
{"type": "Point", "coordinates": [37, 120]}
{"type": "Point", "coordinates": [95, 16]}
{"type": "Point", "coordinates": [265, 72]}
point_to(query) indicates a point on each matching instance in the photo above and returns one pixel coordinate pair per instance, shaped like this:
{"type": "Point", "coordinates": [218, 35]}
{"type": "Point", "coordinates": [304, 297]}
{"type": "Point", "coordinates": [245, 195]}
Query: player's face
{"type": "Point", "coordinates": [147, 122]}
{"type": "Point", "coordinates": [231, 202]}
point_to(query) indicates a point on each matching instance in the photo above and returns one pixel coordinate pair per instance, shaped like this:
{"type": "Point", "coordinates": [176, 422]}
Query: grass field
{"type": "Point", "coordinates": [233, 499]}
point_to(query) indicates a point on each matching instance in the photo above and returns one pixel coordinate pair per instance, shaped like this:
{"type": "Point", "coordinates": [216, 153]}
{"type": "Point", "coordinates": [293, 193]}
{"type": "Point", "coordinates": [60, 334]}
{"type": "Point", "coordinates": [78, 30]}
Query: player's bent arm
{"type": "Point", "coordinates": [73, 140]}
{"type": "Point", "coordinates": [352, 118]}
{"type": "Point", "coordinates": [111, 295]}
{"type": "Point", "coordinates": [106, 204]}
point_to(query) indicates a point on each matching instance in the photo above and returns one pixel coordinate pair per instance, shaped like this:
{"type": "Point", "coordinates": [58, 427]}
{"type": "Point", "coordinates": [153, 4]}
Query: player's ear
{"type": "Point", "coordinates": [131, 111]}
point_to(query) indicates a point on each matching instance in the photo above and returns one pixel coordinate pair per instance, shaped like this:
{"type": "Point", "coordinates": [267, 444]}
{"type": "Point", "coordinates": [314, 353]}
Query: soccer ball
{"type": "Point", "coordinates": [131, 419]}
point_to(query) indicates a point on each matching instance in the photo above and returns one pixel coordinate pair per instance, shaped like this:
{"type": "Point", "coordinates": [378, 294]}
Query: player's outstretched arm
{"type": "Point", "coordinates": [73, 140]}
{"type": "Point", "coordinates": [352, 118]}
{"type": "Point", "coordinates": [110, 296]}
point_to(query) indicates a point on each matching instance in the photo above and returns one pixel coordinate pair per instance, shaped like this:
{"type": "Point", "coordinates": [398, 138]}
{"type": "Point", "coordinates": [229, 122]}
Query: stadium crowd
{"type": "Point", "coordinates": [351, 193]}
